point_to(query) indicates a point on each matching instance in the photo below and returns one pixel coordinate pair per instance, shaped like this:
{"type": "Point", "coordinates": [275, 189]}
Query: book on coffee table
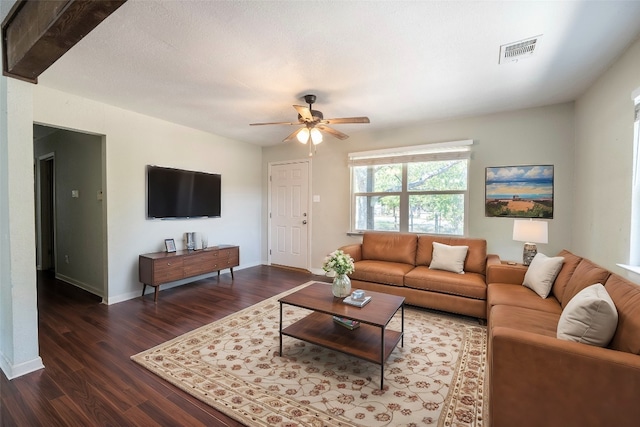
{"type": "Point", "coordinates": [357, 303]}
{"type": "Point", "coordinates": [347, 323]}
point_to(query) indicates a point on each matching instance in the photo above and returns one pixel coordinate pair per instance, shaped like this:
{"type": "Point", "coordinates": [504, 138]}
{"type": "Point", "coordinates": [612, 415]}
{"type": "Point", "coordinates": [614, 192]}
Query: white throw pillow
{"type": "Point", "coordinates": [448, 258]}
{"type": "Point", "coordinates": [589, 318]}
{"type": "Point", "coordinates": [542, 273]}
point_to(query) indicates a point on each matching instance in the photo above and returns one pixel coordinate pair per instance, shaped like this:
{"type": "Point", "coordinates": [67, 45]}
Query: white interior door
{"type": "Point", "coordinates": [289, 216]}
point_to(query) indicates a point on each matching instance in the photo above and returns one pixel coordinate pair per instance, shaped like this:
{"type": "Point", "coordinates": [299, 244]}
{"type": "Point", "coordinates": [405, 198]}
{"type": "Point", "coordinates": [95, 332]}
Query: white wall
{"type": "Point", "coordinates": [603, 173]}
{"type": "Point", "coordinates": [18, 297]}
{"type": "Point", "coordinates": [134, 141]}
{"type": "Point", "coordinates": [526, 137]}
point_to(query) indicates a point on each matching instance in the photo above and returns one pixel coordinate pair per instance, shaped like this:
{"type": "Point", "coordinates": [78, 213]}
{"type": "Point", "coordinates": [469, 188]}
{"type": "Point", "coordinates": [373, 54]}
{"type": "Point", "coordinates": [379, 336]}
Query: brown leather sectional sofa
{"type": "Point", "coordinates": [398, 263]}
{"type": "Point", "coordinates": [536, 379]}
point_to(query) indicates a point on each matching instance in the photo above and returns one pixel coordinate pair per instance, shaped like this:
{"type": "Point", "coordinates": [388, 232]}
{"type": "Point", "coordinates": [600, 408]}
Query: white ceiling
{"type": "Point", "coordinates": [220, 65]}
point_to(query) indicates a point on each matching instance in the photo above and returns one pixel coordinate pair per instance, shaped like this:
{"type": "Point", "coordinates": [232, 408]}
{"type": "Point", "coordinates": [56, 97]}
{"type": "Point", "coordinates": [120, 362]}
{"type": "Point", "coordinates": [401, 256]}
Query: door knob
{"type": "Point", "coordinates": [304, 221]}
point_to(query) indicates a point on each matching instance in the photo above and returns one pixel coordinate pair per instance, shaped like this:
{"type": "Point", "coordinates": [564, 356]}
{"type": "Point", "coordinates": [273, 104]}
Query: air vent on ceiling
{"type": "Point", "coordinates": [513, 52]}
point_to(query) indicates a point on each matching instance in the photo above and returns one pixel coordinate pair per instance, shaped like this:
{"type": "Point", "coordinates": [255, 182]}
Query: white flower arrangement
{"type": "Point", "coordinates": [338, 262]}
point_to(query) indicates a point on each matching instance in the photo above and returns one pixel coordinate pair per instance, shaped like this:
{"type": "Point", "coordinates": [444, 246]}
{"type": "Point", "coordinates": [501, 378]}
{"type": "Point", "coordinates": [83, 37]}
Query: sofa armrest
{"type": "Point", "coordinates": [505, 273]}
{"type": "Point", "coordinates": [493, 259]}
{"type": "Point", "coordinates": [355, 250]}
{"type": "Point", "coordinates": [538, 380]}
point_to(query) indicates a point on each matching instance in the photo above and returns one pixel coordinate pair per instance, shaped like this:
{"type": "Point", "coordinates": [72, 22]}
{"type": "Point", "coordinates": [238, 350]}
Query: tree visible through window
{"type": "Point", "coordinates": [411, 193]}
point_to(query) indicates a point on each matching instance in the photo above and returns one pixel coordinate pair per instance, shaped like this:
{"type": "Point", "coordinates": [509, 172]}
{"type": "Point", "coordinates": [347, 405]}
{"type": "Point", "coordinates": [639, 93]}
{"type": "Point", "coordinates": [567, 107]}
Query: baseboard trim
{"type": "Point", "coordinates": [318, 271]}
{"type": "Point", "coordinates": [14, 371]}
{"type": "Point", "coordinates": [80, 284]}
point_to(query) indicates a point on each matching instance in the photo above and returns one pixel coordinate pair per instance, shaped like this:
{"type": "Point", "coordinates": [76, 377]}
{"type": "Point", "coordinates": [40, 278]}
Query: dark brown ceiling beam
{"type": "Point", "coordinates": [36, 33]}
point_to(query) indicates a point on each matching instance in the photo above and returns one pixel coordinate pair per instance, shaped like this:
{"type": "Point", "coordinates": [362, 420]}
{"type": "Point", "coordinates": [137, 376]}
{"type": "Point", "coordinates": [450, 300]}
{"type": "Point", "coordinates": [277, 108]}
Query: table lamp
{"type": "Point", "coordinates": [530, 232]}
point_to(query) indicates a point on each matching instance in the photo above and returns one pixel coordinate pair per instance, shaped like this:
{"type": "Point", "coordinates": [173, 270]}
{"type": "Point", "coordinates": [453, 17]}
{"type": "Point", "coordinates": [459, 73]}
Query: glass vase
{"type": "Point", "coordinates": [341, 286]}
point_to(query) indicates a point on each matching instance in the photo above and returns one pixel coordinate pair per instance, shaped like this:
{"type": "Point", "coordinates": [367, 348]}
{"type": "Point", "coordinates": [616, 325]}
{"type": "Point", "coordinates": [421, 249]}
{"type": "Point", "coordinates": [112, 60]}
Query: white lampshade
{"type": "Point", "coordinates": [530, 231]}
{"type": "Point", "coordinates": [303, 135]}
{"type": "Point", "coordinates": [316, 136]}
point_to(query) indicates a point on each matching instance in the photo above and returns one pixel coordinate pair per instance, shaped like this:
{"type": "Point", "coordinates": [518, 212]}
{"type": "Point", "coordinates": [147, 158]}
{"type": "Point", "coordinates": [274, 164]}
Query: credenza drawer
{"type": "Point", "coordinates": [199, 263]}
{"type": "Point", "coordinates": [229, 262]}
{"type": "Point", "coordinates": [168, 270]}
{"type": "Point", "coordinates": [228, 253]}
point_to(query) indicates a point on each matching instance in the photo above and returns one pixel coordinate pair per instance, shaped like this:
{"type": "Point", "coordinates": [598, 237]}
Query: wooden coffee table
{"type": "Point", "coordinates": [371, 341]}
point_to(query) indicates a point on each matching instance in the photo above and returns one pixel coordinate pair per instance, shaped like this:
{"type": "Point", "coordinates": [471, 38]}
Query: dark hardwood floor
{"type": "Point", "coordinates": [85, 346]}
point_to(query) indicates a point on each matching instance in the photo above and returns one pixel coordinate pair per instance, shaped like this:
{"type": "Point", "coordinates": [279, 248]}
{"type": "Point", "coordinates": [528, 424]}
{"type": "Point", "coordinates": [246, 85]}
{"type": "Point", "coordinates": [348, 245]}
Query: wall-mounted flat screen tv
{"type": "Point", "coordinates": [177, 193]}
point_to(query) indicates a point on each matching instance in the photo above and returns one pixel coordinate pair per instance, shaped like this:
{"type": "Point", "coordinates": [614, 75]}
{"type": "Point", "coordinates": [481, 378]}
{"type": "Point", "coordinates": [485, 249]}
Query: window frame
{"type": "Point", "coordinates": [634, 226]}
{"type": "Point", "coordinates": [633, 264]}
{"type": "Point", "coordinates": [454, 150]}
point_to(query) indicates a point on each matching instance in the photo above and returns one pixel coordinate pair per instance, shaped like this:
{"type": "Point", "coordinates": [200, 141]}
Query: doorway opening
{"type": "Point", "coordinates": [70, 207]}
{"type": "Point", "coordinates": [45, 218]}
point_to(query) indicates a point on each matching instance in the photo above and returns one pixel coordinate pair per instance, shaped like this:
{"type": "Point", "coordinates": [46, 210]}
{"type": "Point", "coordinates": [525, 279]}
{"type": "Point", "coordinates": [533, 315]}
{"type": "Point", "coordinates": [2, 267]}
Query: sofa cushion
{"type": "Point", "coordinates": [388, 273]}
{"type": "Point", "coordinates": [589, 318]}
{"type": "Point", "coordinates": [476, 261]}
{"type": "Point", "coordinates": [519, 296]}
{"type": "Point", "coordinates": [626, 297]}
{"type": "Point", "coordinates": [470, 285]}
{"type": "Point", "coordinates": [585, 274]}
{"type": "Point", "coordinates": [392, 247]}
{"type": "Point", "coordinates": [448, 258]}
{"type": "Point", "coordinates": [524, 319]}
{"type": "Point", "coordinates": [571, 261]}
{"type": "Point", "coordinates": [541, 273]}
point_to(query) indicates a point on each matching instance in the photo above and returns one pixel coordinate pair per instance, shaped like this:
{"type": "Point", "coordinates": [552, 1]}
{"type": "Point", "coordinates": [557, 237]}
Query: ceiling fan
{"type": "Point", "coordinates": [314, 124]}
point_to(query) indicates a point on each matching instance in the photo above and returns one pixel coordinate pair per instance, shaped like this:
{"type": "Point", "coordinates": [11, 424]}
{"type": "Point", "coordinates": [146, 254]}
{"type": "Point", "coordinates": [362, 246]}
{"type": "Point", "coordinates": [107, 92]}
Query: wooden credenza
{"type": "Point", "coordinates": [158, 268]}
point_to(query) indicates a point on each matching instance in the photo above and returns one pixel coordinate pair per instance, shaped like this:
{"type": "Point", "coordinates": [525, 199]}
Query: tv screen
{"type": "Point", "coordinates": [177, 193]}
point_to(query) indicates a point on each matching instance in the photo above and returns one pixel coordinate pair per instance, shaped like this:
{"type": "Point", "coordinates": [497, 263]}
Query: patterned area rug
{"type": "Point", "coordinates": [233, 364]}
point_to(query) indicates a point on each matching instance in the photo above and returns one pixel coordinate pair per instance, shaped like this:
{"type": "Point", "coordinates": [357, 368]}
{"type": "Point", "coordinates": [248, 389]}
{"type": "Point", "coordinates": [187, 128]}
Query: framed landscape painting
{"type": "Point", "coordinates": [519, 191]}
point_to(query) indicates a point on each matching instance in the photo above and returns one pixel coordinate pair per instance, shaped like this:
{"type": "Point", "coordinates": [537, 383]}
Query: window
{"type": "Point", "coordinates": [634, 253]}
{"type": "Point", "coordinates": [421, 189]}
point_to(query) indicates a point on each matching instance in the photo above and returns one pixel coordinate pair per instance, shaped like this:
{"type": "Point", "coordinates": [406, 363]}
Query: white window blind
{"type": "Point", "coordinates": [454, 150]}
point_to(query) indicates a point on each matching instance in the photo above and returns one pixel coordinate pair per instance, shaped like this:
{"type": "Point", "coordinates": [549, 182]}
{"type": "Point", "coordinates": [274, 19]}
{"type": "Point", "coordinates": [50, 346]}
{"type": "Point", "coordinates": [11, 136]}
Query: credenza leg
{"type": "Point", "coordinates": [231, 272]}
{"type": "Point", "coordinates": [155, 296]}
{"type": "Point", "coordinates": [144, 288]}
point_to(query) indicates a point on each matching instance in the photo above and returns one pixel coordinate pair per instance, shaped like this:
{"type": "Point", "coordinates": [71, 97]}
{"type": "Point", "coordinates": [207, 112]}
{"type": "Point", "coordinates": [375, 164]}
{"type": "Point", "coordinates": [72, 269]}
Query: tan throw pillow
{"type": "Point", "coordinates": [542, 273]}
{"type": "Point", "coordinates": [590, 317]}
{"type": "Point", "coordinates": [448, 258]}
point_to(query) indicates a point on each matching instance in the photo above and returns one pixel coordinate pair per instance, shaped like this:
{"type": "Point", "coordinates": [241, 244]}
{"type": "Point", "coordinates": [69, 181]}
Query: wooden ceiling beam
{"type": "Point", "coordinates": [36, 33]}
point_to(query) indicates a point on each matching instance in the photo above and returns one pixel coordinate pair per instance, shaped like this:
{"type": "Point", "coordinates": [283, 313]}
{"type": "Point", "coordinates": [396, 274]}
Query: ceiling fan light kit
{"type": "Point", "coordinates": [303, 135]}
{"type": "Point", "coordinates": [316, 136]}
{"type": "Point", "coordinates": [314, 125]}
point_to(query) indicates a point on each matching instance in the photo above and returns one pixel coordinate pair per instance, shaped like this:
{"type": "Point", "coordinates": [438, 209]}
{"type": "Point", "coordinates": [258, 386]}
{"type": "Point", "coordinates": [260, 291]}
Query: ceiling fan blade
{"type": "Point", "coordinates": [346, 120]}
{"type": "Point", "coordinates": [293, 134]}
{"type": "Point", "coordinates": [332, 132]}
{"type": "Point", "coordinates": [273, 123]}
{"type": "Point", "coordinates": [304, 112]}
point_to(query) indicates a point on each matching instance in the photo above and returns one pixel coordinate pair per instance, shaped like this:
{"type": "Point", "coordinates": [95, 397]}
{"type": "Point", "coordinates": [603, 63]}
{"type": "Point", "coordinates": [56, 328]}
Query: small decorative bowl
{"type": "Point", "coordinates": [357, 295]}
